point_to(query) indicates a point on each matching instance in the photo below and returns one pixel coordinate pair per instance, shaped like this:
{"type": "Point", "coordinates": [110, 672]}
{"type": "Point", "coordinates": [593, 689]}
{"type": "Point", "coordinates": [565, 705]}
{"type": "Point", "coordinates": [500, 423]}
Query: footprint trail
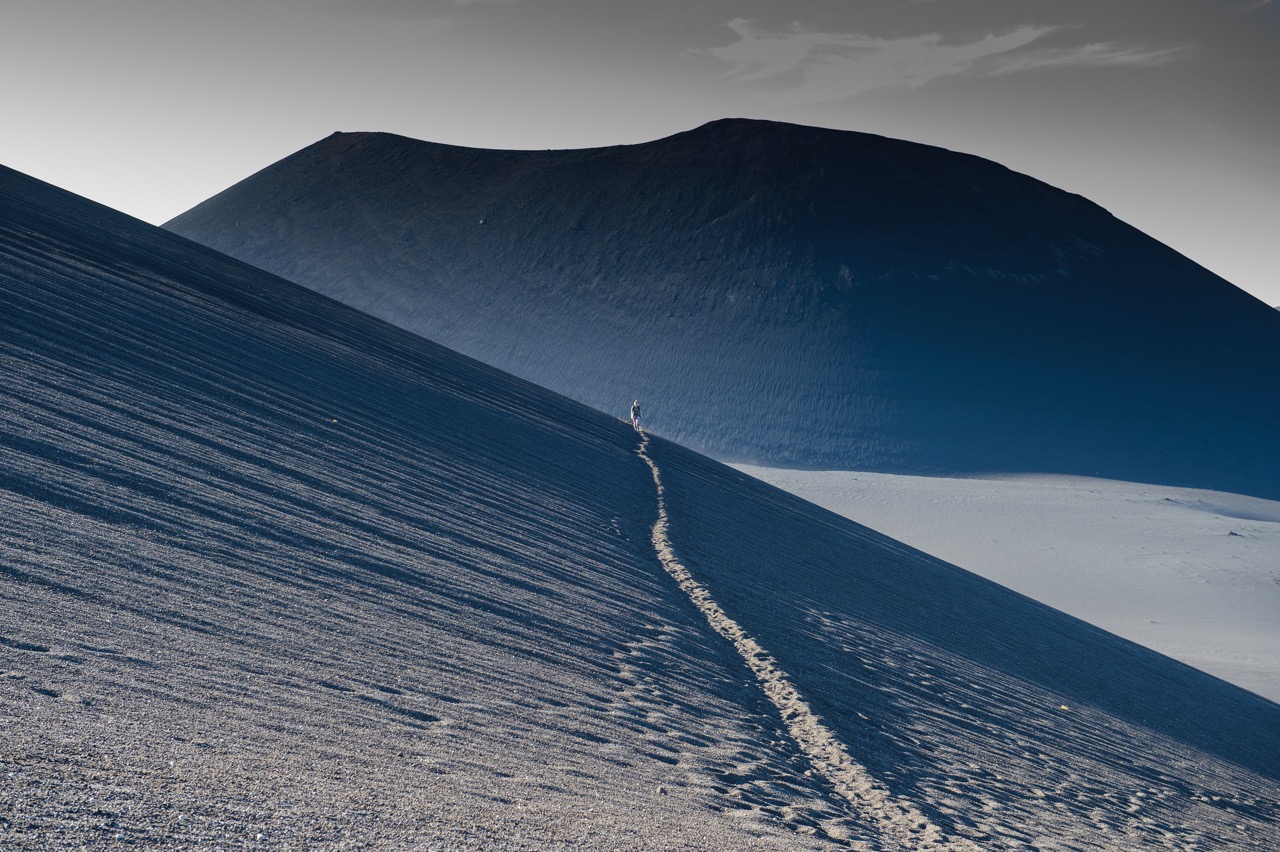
{"type": "Point", "coordinates": [898, 821]}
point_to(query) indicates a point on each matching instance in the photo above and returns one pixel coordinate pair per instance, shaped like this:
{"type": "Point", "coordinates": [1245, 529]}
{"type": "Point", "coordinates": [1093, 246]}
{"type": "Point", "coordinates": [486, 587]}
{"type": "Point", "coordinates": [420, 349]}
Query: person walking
{"type": "Point", "coordinates": [635, 415]}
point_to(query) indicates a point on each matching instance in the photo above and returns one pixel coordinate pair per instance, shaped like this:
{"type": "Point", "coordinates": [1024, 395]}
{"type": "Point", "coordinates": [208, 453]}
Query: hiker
{"type": "Point", "coordinates": [635, 415]}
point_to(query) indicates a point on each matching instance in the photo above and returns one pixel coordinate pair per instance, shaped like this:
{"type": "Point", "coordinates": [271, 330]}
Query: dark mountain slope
{"type": "Point", "coordinates": [276, 573]}
{"type": "Point", "coordinates": [256, 588]}
{"type": "Point", "coordinates": [791, 296]}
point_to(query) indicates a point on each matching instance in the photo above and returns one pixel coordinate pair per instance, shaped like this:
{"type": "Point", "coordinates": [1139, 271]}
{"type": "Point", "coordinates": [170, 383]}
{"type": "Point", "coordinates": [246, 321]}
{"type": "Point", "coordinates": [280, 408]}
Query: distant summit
{"type": "Point", "coordinates": [791, 296]}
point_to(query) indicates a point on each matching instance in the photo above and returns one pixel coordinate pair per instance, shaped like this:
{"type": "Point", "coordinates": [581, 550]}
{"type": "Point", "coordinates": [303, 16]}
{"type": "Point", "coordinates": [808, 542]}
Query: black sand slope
{"type": "Point", "coordinates": [275, 574]}
{"type": "Point", "coordinates": [257, 593]}
{"type": "Point", "coordinates": [793, 297]}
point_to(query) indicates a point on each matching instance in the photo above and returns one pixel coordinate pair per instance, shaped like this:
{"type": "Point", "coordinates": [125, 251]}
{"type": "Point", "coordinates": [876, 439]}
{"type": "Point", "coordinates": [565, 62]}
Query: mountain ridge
{"type": "Point", "coordinates": [790, 296]}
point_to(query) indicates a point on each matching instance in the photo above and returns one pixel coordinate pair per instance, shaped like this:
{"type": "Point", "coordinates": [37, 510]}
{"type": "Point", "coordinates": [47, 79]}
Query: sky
{"type": "Point", "coordinates": [1163, 111]}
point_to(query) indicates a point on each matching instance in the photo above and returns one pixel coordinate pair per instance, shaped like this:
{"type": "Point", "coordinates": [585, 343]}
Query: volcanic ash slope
{"type": "Point", "coordinates": [792, 297]}
{"type": "Point", "coordinates": [274, 570]}
{"type": "Point", "coordinates": [275, 573]}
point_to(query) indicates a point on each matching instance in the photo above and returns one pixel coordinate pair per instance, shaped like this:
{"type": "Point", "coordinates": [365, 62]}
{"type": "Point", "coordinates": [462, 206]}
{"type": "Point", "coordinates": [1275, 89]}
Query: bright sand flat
{"type": "Point", "coordinates": [1190, 573]}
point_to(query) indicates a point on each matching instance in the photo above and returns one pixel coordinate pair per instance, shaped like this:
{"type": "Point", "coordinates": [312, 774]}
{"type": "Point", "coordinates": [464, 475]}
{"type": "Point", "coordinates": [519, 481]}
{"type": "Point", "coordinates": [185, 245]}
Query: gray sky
{"type": "Point", "coordinates": [1166, 112]}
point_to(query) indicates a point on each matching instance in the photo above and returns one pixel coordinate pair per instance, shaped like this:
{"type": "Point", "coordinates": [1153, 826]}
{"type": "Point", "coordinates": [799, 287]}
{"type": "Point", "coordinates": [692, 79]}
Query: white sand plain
{"type": "Point", "coordinates": [1190, 573]}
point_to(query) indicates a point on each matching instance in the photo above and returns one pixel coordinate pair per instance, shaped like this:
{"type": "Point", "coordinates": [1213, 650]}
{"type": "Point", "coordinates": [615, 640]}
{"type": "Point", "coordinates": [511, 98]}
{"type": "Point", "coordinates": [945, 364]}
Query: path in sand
{"type": "Point", "coordinates": [897, 820]}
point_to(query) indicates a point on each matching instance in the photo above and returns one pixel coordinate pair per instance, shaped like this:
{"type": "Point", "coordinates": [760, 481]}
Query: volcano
{"type": "Point", "coordinates": [791, 297]}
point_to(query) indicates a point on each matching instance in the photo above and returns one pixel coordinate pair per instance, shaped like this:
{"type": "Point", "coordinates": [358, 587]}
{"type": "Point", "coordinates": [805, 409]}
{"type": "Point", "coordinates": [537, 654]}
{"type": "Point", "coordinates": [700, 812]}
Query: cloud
{"type": "Point", "coordinates": [1093, 55]}
{"type": "Point", "coordinates": [821, 66]}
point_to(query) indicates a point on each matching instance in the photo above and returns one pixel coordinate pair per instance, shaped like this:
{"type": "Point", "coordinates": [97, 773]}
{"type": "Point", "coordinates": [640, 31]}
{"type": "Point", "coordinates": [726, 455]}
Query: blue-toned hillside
{"type": "Point", "coordinates": [791, 296]}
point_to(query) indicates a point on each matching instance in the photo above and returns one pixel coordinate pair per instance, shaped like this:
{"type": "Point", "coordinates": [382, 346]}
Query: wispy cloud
{"type": "Point", "coordinates": [821, 66]}
{"type": "Point", "coordinates": [1095, 55]}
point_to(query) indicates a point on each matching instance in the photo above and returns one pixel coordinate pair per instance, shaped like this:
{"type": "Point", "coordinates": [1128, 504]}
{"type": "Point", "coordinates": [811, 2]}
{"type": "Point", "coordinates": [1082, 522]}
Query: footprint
{"type": "Point", "coordinates": [23, 646]}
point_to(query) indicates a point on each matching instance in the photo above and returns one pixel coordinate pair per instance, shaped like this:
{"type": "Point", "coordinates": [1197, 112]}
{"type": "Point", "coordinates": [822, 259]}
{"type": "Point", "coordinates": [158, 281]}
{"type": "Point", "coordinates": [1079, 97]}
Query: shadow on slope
{"type": "Point", "coordinates": [1014, 722]}
{"type": "Point", "coordinates": [791, 296]}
